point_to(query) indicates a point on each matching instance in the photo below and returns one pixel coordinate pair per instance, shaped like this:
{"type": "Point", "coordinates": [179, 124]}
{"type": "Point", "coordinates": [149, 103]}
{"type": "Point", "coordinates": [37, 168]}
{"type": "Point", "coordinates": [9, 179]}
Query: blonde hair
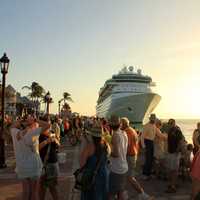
{"type": "Point", "coordinates": [125, 121]}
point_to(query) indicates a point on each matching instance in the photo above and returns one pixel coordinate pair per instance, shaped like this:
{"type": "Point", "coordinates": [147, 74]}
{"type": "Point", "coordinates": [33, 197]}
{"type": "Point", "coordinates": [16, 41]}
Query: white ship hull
{"type": "Point", "coordinates": [136, 107]}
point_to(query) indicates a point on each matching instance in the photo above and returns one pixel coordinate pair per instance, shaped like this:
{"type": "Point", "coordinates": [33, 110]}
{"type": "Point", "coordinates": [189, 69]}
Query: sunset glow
{"type": "Point", "coordinates": [86, 42]}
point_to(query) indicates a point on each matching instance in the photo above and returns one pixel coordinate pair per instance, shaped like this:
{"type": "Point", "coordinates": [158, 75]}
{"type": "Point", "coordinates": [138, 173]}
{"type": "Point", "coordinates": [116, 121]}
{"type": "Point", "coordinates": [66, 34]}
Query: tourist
{"type": "Point", "coordinates": [67, 126]}
{"type": "Point", "coordinates": [96, 153]}
{"type": "Point", "coordinates": [75, 123]}
{"type": "Point", "coordinates": [118, 162]}
{"type": "Point", "coordinates": [48, 147]}
{"type": "Point", "coordinates": [26, 146]}
{"type": "Point", "coordinates": [186, 160]}
{"type": "Point", "coordinates": [132, 152]}
{"type": "Point", "coordinates": [167, 126]}
{"type": "Point", "coordinates": [195, 173]}
{"type": "Point", "coordinates": [61, 126]}
{"type": "Point", "coordinates": [194, 138]}
{"type": "Point", "coordinates": [106, 131]}
{"type": "Point", "coordinates": [186, 155]}
{"type": "Point", "coordinates": [159, 153]}
{"type": "Point", "coordinates": [7, 124]}
{"type": "Point", "coordinates": [90, 122]}
{"type": "Point", "coordinates": [149, 133]}
{"type": "Point", "coordinates": [175, 140]}
{"type": "Point", "coordinates": [105, 126]}
{"type": "Point", "coordinates": [55, 128]}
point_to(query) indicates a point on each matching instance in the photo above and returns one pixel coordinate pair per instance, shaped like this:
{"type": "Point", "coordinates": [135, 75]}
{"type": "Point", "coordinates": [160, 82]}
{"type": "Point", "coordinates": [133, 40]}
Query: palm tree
{"type": "Point", "coordinates": [36, 90]}
{"type": "Point", "coordinates": [36, 93]}
{"type": "Point", "coordinates": [47, 99]}
{"type": "Point", "coordinates": [67, 97]}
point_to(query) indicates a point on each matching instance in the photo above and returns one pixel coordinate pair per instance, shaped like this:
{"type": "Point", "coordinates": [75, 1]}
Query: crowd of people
{"type": "Point", "coordinates": [36, 141]}
{"type": "Point", "coordinates": [167, 155]}
{"type": "Point", "coordinates": [110, 148]}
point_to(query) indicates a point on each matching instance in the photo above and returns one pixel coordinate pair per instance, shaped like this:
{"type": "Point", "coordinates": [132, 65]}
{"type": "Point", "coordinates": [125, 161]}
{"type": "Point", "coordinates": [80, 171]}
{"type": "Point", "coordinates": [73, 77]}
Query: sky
{"type": "Point", "coordinates": [75, 45]}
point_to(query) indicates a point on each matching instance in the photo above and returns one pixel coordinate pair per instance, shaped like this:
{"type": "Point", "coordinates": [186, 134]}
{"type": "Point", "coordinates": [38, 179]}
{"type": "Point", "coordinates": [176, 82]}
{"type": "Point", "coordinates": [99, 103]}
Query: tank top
{"type": "Point", "coordinates": [119, 164]}
{"type": "Point", "coordinates": [132, 142]}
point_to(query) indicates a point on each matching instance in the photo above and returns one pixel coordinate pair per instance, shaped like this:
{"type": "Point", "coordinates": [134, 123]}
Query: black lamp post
{"type": "Point", "coordinates": [59, 103]}
{"type": "Point", "coordinates": [48, 100]}
{"type": "Point", "coordinates": [4, 62]}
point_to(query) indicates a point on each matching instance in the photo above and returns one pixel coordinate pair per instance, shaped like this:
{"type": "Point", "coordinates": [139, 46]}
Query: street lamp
{"type": "Point", "coordinates": [48, 100]}
{"type": "Point", "coordinates": [59, 104]}
{"type": "Point", "coordinates": [4, 62]}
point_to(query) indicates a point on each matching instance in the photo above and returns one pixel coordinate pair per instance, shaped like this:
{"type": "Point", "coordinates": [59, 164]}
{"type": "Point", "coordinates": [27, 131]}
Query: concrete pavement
{"type": "Point", "coordinates": [10, 187]}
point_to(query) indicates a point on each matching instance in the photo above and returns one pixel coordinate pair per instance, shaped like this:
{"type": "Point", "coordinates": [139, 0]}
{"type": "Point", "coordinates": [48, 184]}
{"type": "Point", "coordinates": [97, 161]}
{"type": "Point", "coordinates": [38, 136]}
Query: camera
{"type": "Point", "coordinates": [53, 135]}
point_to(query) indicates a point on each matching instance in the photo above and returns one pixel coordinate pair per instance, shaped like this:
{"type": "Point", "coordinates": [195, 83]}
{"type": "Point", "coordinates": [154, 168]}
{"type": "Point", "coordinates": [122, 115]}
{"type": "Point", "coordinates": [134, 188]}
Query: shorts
{"type": "Point", "coordinates": [173, 161]}
{"type": "Point", "coordinates": [34, 178]}
{"type": "Point", "coordinates": [117, 183]}
{"type": "Point", "coordinates": [131, 160]}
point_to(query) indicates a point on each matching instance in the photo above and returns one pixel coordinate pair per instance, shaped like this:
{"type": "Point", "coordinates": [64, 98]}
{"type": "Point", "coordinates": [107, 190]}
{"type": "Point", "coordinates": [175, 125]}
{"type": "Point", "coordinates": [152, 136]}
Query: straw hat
{"type": "Point", "coordinates": [95, 131]}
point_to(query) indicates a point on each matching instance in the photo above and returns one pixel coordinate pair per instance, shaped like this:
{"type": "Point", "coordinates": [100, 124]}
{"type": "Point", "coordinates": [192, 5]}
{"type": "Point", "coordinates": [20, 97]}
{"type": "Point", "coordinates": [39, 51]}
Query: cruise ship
{"type": "Point", "coordinates": [128, 94]}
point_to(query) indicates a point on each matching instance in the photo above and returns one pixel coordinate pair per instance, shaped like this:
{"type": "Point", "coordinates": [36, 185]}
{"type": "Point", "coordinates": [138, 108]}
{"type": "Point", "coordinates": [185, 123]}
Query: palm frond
{"type": "Point", "coordinates": [61, 100]}
{"type": "Point", "coordinates": [69, 99]}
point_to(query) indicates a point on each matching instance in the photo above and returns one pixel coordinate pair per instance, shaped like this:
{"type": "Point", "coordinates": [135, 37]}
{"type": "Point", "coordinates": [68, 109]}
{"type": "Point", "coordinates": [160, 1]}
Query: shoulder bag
{"type": "Point", "coordinates": [85, 177]}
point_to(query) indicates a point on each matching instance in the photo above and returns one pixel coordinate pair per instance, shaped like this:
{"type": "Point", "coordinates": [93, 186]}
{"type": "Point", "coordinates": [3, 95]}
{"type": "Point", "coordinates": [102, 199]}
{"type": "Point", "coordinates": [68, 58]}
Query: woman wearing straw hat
{"type": "Point", "coordinates": [96, 151]}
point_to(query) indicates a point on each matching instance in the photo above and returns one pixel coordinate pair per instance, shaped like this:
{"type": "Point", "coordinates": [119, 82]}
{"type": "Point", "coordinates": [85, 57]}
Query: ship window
{"type": "Point", "coordinates": [130, 109]}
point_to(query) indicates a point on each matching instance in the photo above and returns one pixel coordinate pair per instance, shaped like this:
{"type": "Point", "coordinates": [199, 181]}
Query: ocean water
{"type": "Point", "coordinates": [187, 126]}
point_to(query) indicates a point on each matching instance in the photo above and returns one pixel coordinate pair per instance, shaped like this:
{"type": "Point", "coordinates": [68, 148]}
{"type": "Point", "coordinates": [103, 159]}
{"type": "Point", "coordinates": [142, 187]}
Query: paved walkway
{"type": "Point", "coordinates": [10, 188]}
{"type": "Point", "coordinates": [157, 189]}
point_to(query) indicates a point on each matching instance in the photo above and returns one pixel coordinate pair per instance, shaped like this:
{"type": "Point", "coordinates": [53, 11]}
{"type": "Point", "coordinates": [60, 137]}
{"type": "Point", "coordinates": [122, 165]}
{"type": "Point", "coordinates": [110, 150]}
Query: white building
{"type": "Point", "coordinates": [10, 100]}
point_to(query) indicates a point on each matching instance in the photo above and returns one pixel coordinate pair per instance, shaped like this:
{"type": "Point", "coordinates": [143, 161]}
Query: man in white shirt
{"type": "Point", "coordinates": [119, 165]}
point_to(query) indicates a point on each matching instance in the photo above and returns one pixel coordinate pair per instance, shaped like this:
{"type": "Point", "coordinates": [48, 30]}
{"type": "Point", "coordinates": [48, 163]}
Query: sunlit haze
{"type": "Point", "coordinates": [74, 46]}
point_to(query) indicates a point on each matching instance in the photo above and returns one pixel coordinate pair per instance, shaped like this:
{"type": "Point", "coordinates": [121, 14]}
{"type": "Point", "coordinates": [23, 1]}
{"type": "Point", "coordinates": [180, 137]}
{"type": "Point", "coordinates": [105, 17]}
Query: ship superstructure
{"type": "Point", "coordinates": [127, 94]}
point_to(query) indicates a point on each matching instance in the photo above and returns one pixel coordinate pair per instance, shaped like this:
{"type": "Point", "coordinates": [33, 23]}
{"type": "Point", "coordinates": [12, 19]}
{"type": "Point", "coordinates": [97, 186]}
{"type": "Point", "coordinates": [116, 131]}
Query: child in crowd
{"type": "Point", "coordinates": [189, 155]}
{"type": "Point", "coordinates": [186, 161]}
{"type": "Point", "coordinates": [159, 154]}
